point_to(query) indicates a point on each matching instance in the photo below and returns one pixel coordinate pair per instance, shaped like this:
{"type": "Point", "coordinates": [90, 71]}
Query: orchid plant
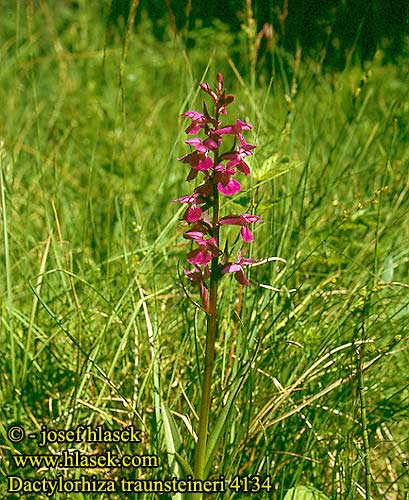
{"type": "Point", "coordinates": [217, 167]}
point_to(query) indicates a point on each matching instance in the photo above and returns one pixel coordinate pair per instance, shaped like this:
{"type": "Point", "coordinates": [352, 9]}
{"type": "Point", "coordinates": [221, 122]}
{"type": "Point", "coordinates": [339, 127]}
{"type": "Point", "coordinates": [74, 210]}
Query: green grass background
{"type": "Point", "coordinates": [95, 325]}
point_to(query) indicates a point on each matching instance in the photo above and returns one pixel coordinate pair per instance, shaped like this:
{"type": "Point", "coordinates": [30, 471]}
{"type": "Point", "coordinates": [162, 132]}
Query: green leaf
{"type": "Point", "coordinates": [215, 435]}
{"type": "Point", "coordinates": [305, 493]}
{"type": "Point", "coordinates": [173, 443]}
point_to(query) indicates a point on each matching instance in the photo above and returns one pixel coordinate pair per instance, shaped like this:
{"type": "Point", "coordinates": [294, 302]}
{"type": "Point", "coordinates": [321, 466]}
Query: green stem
{"type": "Point", "coordinates": [9, 302]}
{"type": "Point", "coordinates": [364, 424]}
{"type": "Point", "coordinates": [200, 454]}
{"type": "Point", "coordinates": [362, 398]}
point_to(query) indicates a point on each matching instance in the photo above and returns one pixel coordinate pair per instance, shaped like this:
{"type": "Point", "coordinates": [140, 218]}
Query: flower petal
{"type": "Point", "coordinates": [193, 235]}
{"type": "Point", "coordinates": [199, 257]}
{"type": "Point", "coordinates": [204, 164]}
{"type": "Point", "coordinates": [234, 220]}
{"type": "Point", "coordinates": [229, 188]}
{"type": "Point", "coordinates": [194, 128]}
{"type": "Point", "coordinates": [250, 218]}
{"type": "Point", "coordinates": [246, 234]}
{"type": "Point", "coordinates": [232, 267]}
{"type": "Point", "coordinates": [243, 167]}
{"type": "Point", "coordinates": [194, 115]}
{"type": "Point", "coordinates": [193, 214]}
{"type": "Point", "coordinates": [197, 143]}
{"type": "Point", "coordinates": [204, 295]}
{"type": "Point", "coordinates": [241, 277]}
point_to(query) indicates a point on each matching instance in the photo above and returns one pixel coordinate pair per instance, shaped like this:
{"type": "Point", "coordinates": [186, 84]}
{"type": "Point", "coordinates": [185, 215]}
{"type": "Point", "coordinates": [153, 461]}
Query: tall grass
{"type": "Point", "coordinates": [311, 380]}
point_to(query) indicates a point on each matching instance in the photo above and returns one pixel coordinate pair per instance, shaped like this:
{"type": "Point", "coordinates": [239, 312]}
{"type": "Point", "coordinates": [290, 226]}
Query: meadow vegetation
{"type": "Point", "coordinates": [311, 383]}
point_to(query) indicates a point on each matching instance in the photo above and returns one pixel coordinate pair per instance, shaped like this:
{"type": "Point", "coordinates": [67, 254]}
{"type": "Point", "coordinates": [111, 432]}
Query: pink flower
{"type": "Point", "coordinates": [199, 121]}
{"type": "Point", "coordinates": [208, 90]}
{"type": "Point", "coordinates": [220, 98]}
{"type": "Point", "coordinates": [204, 190]}
{"type": "Point", "coordinates": [237, 268]}
{"type": "Point", "coordinates": [206, 251]}
{"type": "Point", "coordinates": [191, 158]}
{"type": "Point", "coordinates": [198, 161]}
{"type": "Point", "coordinates": [203, 164]}
{"type": "Point", "coordinates": [200, 256]}
{"type": "Point", "coordinates": [203, 146]}
{"type": "Point", "coordinates": [193, 213]}
{"type": "Point", "coordinates": [238, 157]}
{"type": "Point", "coordinates": [235, 129]}
{"type": "Point", "coordinates": [244, 221]}
{"type": "Point", "coordinates": [225, 184]}
{"type": "Point", "coordinates": [198, 276]}
{"type": "Point", "coordinates": [194, 115]}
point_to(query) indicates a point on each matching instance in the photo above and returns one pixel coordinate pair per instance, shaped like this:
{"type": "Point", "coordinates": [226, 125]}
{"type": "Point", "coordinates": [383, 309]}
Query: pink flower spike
{"type": "Point", "coordinates": [219, 166]}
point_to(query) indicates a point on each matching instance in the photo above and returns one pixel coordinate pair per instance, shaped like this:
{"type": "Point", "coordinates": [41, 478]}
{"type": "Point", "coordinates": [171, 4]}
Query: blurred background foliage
{"type": "Point", "coordinates": [336, 30]}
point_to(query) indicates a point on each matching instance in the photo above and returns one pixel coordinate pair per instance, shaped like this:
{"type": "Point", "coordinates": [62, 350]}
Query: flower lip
{"type": "Point", "coordinates": [200, 257]}
{"type": "Point", "coordinates": [206, 251]}
{"type": "Point", "coordinates": [193, 214]}
{"type": "Point", "coordinates": [229, 187]}
{"type": "Point", "coordinates": [225, 183]}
